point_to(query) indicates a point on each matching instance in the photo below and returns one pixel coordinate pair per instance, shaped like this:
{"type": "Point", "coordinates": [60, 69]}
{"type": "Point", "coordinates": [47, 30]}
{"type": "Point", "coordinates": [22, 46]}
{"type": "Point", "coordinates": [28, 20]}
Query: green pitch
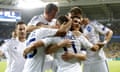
{"type": "Point", "coordinates": [114, 66]}
{"type": "Point", "coordinates": [2, 66]}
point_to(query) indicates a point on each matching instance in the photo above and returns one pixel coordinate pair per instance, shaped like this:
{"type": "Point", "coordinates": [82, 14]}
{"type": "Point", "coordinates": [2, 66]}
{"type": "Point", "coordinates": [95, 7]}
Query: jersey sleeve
{"type": "Point", "coordinates": [46, 32]}
{"type": "Point", "coordinates": [50, 40]}
{"type": "Point", "coordinates": [85, 43]}
{"type": "Point", "coordinates": [100, 27]}
{"type": "Point", "coordinates": [34, 20]}
{"type": "Point", "coordinates": [47, 41]}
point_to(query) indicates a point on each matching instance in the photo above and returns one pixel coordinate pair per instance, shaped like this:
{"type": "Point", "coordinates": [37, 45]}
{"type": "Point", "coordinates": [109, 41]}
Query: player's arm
{"type": "Point", "coordinates": [64, 28]}
{"type": "Point", "coordinates": [53, 48]}
{"type": "Point", "coordinates": [108, 36]}
{"type": "Point", "coordinates": [30, 28]}
{"type": "Point", "coordinates": [86, 44]}
{"type": "Point", "coordinates": [104, 31]}
{"type": "Point", "coordinates": [3, 47]}
{"type": "Point", "coordinates": [33, 46]}
{"type": "Point", "coordinates": [69, 55]}
{"type": "Point", "coordinates": [1, 53]}
{"type": "Point", "coordinates": [38, 44]}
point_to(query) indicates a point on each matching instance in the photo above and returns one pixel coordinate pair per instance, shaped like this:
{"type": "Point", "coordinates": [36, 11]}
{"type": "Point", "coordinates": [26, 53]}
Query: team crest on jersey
{"type": "Point", "coordinates": [89, 29]}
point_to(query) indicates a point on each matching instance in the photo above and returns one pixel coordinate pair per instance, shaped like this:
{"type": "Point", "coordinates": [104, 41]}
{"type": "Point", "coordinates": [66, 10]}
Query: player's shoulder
{"type": "Point", "coordinates": [10, 41]}
{"type": "Point", "coordinates": [82, 36]}
{"type": "Point", "coordinates": [95, 22]}
{"type": "Point", "coordinates": [36, 16]}
{"type": "Point", "coordinates": [42, 29]}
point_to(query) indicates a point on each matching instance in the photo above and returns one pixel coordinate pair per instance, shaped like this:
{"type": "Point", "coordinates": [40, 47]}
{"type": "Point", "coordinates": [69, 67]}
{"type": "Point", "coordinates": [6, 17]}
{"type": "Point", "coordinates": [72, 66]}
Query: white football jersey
{"type": "Point", "coordinates": [93, 31]}
{"type": "Point", "coordinates": [71, 65]}
{"type": "Point", "coordinates": [41, 18]}
{"type": "Point", "coordinates": [13, 50]}
{"type": "Point", "coordinates": [35, 60]}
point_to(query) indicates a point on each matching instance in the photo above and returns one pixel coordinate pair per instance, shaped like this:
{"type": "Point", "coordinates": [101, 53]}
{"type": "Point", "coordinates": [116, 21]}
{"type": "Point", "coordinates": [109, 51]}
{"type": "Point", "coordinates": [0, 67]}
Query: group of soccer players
{"type": "Point", "coordinates": [60, 45]}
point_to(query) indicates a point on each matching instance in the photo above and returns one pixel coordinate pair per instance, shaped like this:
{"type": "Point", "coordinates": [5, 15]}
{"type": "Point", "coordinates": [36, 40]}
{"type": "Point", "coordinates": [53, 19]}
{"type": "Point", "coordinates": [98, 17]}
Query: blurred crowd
{"type": "Point", "coordinates": [113, 50]}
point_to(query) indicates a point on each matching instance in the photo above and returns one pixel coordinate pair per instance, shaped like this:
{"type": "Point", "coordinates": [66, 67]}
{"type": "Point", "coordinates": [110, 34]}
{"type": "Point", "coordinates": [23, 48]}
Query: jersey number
{"type": "Point", "coordinates": [32, 54]}
{"type": "Point", "coordinates": [73, 46]}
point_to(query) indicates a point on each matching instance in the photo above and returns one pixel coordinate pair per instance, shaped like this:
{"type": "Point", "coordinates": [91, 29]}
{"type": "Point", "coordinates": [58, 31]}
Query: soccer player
{"type": "Point", "coordinates": [68, 59]}
{"type": "Point", "coordinates": [46, 19]}
{"type": "Point", "coordinates": [92, 31]}
{"type": "Point", "coordinates": [96, 61]}
{"type": "Point", "coordinates": [13, 49]}
{"type": "Point", "coordinates": [1, 51]}
{"type": "Point", "coordinates": [35, 60]}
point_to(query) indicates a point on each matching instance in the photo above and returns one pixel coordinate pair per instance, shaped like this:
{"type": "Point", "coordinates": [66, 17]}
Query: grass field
{"type": "Point", "coordinates": [114, 66]}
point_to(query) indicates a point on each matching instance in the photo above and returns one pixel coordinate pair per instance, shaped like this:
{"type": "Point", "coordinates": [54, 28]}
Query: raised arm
{"type": "Point", "coordinates": [64, 28]}
{"type": "Point", "coordinates": [1, 53]}
{"type": "Point", "coordinates": [107, 38]}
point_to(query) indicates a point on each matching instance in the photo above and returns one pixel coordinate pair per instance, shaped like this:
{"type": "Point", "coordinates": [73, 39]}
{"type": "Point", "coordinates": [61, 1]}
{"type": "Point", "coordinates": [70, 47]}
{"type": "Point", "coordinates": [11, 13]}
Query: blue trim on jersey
{"type": "Point", "coordinates": [74, 48]}
{"type": "Point", "coordinates": [73, 44]}
{"type": "Point", "coordinates": [65, 49]}
{"type": "Point", "coordinates": [31, 55]}
{"type": "Point", "coordinates": [31, 40]}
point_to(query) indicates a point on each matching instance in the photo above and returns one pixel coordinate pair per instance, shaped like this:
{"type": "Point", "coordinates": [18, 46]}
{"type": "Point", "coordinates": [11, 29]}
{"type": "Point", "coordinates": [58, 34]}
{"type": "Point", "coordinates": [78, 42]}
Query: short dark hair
{"type": "Point", "coordinates": [75, 17]}
{"type": "Point", "coordinates": [62, 19]}
{"type": "Point", "coordinates": [76, 10]}
{"type": "Point", "coordinates": [20, 22]}
{"type": "Point", "coordinates": [50, 7]}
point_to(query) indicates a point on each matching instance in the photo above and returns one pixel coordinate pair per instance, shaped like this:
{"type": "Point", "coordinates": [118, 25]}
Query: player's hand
{"type": "Point", "coordinates": [95, 48]}
{"type": "Point", "coordinates": [26, 51]}
{"type": "Point", "coordinates": [101, 44]}
{"type": "Point", "coordinates": [68, 17]}
{"type": "Point", "coordinates": [85, 21]}
{"type": "Point", "coordinates": [66, 43]}
{"type": "Point", "coordinates": [67, 56]}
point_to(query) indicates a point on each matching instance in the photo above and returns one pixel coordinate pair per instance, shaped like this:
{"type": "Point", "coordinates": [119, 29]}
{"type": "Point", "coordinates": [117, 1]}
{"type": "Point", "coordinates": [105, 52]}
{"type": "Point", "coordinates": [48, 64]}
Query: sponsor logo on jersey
{"type": "Point", "coordinates": [89, 29]}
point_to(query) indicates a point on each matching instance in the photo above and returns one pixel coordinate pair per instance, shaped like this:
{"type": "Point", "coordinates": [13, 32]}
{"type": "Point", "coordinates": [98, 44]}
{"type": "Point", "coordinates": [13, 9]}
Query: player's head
{"type": "Point", "coordinates": [50, 11]}
{"type": "Point", "coordinates": [21, 29]}
{"type": "Point", "coordinates": [76, 23]}
{"type": "Point", "coordinates": [75, 11]}
{"type": "Point", "coordinates": [61, 20]}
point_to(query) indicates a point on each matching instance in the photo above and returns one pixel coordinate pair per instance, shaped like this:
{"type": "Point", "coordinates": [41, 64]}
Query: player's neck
{"type": "Point", "coordinates": [22, 39]}
{"type": "Point", "coordinates": [76, 33]}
